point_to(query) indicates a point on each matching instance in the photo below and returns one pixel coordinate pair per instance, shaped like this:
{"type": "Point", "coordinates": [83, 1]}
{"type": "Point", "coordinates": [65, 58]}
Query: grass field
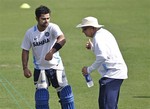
{"type": "Point", "coordinates": [128, 20]}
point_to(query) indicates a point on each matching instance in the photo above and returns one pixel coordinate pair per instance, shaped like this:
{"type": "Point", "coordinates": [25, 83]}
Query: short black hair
{"type": "Point", "coordinates": [42, 10]}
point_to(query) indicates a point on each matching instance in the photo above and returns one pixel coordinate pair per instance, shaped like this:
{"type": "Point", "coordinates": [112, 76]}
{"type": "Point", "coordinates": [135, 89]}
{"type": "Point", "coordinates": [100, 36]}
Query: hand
{"type": "Point", "coordinates": [89, 44]}
{"type": "Point", "coordinates": [84, 71]}
{"type": "Point", "coordinates": [27, 73]}
{"type": "Point", "coordinates": [49, 55]}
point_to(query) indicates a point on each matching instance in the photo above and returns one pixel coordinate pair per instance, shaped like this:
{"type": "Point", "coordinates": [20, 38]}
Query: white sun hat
{"type": "Point", "coordinates": [89, 21]}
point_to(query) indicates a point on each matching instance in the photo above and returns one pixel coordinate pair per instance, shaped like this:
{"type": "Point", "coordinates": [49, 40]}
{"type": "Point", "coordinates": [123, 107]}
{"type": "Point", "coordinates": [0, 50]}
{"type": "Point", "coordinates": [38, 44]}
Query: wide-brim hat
{"type": "Point", "coordinates": [89, 21]}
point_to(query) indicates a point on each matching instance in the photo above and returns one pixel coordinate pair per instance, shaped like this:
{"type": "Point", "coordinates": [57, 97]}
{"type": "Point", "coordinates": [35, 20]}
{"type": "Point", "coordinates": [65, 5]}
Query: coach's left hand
{"type": "Point", "coordinates": [84, 71]}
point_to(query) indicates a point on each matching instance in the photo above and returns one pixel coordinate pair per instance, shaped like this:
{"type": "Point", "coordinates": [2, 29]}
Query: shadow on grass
{"type": "Point", "coordinates": [141, 97]}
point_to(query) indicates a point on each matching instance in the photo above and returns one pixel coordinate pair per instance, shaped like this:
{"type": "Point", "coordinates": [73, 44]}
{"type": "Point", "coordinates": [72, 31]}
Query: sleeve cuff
{"type": "Point", "coordinates": [89, 70]}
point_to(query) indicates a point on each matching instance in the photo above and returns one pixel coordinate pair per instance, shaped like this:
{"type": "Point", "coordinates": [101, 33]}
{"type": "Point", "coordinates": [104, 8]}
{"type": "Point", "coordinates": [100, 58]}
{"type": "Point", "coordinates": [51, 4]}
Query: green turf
{"type": "Point", "coordinates": [128, 20]}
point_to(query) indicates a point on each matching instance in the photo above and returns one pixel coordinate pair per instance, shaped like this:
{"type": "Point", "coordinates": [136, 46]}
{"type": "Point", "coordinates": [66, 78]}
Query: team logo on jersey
{"type": "Point", "coordinates": [47, 34]}
{"type": "Point", "coordinates": [40, 43]}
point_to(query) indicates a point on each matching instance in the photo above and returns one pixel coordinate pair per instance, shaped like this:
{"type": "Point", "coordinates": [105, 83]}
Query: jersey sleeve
{"type": "Point", "coordinates": [100, 52]}
{"type": "Point", "coordinates": [56, 31]}
{"type": "Point", "coordinates": [26, 43]}
{"type": "Point", "coordinates": [100, 58]}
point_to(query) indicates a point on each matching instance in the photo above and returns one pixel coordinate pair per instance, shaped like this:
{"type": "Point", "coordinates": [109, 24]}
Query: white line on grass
{"type": "Point", "coordinates": [9, 66]}
{"type": "Point", "coordinates": [6, 82]}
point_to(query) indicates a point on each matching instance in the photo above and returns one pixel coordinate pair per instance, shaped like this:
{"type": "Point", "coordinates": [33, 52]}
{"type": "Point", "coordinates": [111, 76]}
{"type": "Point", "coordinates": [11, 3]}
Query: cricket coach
{"type": "Point", "coordinates": [109, 62]}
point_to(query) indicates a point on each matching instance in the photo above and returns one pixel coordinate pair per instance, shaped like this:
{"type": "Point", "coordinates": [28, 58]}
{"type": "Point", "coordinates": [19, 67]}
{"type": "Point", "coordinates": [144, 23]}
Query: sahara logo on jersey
{"type": "Point", "coordinates": [35, 43]}
{"type": "Point", "coordinates": [41, 42]}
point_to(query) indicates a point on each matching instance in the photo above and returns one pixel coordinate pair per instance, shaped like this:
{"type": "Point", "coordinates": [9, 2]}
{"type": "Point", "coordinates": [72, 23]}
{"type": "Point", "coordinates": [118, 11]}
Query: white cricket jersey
{"type": "Point", "coordinates": [41, 43]}
{"type": "Point", "coordinates": [109, 60]}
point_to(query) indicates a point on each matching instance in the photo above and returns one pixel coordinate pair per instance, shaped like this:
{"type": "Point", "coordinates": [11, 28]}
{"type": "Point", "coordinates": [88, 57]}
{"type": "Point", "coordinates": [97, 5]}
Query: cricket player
{"type": "Point", "coordinates": [109, 62]}
{"type": "Point", "coordinates": [46, 39]}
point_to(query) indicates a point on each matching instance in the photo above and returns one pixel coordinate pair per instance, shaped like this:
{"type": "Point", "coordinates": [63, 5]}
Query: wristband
{"type": "Point", "coordinates": [57, 46]}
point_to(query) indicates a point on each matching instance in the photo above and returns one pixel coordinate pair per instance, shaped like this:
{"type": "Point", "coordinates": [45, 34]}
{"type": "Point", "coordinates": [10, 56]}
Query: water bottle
{"type": "Point", "coordinates": [89, 80]}
{"type": "Point", "coordinates": [42, 81]}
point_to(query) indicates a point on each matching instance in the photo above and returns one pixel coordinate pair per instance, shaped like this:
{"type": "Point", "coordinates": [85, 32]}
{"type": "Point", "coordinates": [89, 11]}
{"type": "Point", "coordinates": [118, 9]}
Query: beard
{"type": "Point", "coordinates": [44, 25]}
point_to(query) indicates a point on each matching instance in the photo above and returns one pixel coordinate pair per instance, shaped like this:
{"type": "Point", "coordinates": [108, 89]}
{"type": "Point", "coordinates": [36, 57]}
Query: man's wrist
{"type": "Point", "coordinates": [24, 68]}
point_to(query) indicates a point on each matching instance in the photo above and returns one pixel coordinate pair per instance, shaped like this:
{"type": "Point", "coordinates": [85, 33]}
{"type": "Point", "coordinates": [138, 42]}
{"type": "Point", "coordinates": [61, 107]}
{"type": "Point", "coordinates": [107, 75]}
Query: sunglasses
{"type": "Point", "coordinates": [85, 28]}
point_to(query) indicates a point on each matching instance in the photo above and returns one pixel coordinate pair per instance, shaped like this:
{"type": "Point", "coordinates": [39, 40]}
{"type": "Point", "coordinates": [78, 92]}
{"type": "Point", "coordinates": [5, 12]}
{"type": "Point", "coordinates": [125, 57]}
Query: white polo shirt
{"type": "Point", "coordinates": [109, 60]}
{"type": "Point", "coordinates": [41, 43]}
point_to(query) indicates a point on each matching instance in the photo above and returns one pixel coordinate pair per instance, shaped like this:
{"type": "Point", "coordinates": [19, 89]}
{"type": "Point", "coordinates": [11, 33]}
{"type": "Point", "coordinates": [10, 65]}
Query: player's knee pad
{"type": "Point", "coordinates": [67, 98]}
{"type": "Point", "coordinates": [42, 98]}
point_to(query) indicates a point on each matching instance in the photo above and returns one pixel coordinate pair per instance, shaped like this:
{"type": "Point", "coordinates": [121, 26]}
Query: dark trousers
{"type": "Point", "coordinates": [109, 93]}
